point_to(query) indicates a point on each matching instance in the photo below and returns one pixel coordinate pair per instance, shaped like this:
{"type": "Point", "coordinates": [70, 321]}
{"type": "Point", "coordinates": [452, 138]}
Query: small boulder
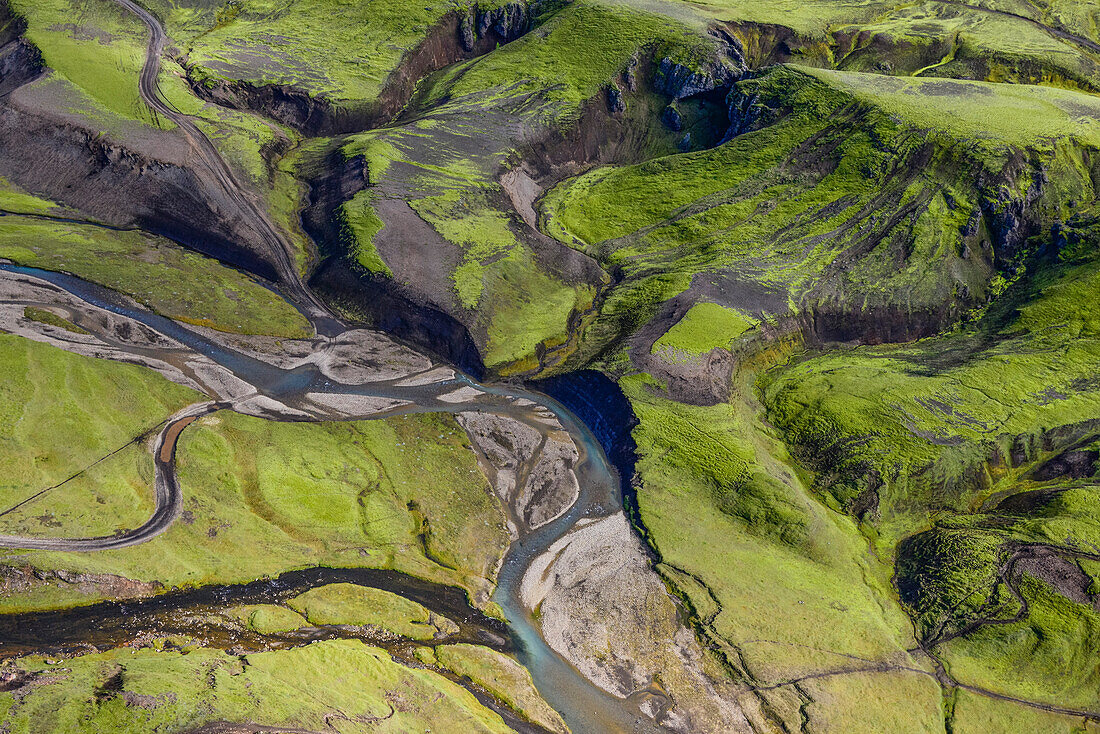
{"type": "Point", "coordinates": [615, 102]}
{"type": "Point", "coordinates": [672, 119]}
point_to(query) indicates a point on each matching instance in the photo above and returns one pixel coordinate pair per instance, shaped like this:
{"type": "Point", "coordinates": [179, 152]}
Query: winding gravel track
{"type": "Point", "coordinates": [149, 89]}
{"type": "Point", "coordinates": [167, 496]}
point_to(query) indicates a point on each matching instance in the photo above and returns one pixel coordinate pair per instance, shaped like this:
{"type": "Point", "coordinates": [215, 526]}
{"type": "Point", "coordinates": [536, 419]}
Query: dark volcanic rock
{"type": "Point", "coordinates": [887, 324]}
{"type": "Point", "coordinates": [12, 678]}
{"type": "Point", "coordinates": [508, 22]}
{"type": "Point", "coordinates": [670, 116]}
{"type": "Point", "coordinates": [502, 24]}
{"type": "Point", "coordinates": [290, 106]}
{"type": "Point", "coordinates": [630, 79]}
{"type": "Point", "coordinates": [602, 406]}
{"type": "Point", "coordinates": [615, 103]}
{"type": "Point", "coordinates": [20, 62]}
{"type": "Point", "coordinates": [400, 311]}
{"type": "Point", "coordinates": [1072, 464]}
{"type": "Point", "coordinates": [745, 114]}
{"type": "Point", "coordinates": [678, 80]}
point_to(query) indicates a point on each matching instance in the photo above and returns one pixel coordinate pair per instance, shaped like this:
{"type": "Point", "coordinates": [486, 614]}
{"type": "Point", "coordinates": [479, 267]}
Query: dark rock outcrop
{"type": "Point", "coordinates": [337, 181]}
{"type": "Point", "coordinates": [615, 102]}
{"type": "Point", "coordinates": [20, 63]}
{"type": "Point", "coordinates": [745, 114]}
{"type": "Point", "coordinates": [670, 116]}
{"type": "Point", "coordinates": [285, 104]}
{"type": "Point", "coordinates": [505, 23]}
{"type": "Point", "coordinates": [1076, 464]}
{"type": "Point", "coordinates": [602, 406]}
{"type": "Point", "coordinates": [680, 81]}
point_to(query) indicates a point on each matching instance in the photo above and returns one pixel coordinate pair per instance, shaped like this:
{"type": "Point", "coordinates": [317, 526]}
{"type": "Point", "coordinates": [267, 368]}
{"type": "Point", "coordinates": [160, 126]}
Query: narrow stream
{"type": "Point", "coordinates": [586, 708]}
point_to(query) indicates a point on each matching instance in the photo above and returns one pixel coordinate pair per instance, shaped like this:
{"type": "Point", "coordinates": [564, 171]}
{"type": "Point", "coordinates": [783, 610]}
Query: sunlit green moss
{"type": "Point", "coordinates": [737, 532]}
{"type": "Point", "coordinates": [43, 316]}
{"type": "Point", "coordinates": [264, 497]}
{"type": "Point", "coordinates": [704, 327]}
{"type": "Point", "coordinates": [360, 605]}
{"type": "Point", "coordinates": [362, 224]}
{"type": "Point", "coordinates": [266, 619]}
{"type": "Point", "coordinates": [97, 46]}
{"type": "Point", "coordinates": [1046, 657]}
{"type": "Point", "coordinates": [501, 676]}
{"type": "Point", "coordinates": [153, 690]}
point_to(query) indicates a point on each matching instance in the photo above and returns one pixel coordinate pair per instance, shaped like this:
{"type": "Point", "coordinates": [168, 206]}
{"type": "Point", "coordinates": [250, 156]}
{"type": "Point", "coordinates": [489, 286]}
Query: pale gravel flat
{"type": "Point", "coordinates": [437, 374]}
{"type": "Point", "coordinates": [464, 394]}
{"type": "Point", "coordinates": [604, 610]}
{"type": "Point", "coordinates": [354, 406]}
{"type": "Point", "coordinates": [262, 406]}
{"type": "Point", "coordinates": [510, 451]}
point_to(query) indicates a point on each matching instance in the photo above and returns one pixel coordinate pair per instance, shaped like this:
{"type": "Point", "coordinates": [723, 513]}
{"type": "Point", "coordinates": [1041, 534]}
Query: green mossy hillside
{"type": "Point", "coordinates": [469, 124]}
{"type": "Point", "coordinates": [788, 218]}
{"type": "Point", "coordinates": [503, 677]}
{"type": "Point", "coordinates": [94, 52]}
{"type": "Point", "coordinates": [98, 47]}
{"type": "Point", "coordinates": [348, 604]}
{"type": "Point", "coordinates": [971, 458]}
{"type": "Point", "coordinates": [780, 586]}
{"type": "Point", "coordinates": [854, 145]}
{"type": "Point", "coordinates": [167, 278]}
{"type": "Point", "coordinates": [943, 423]}
{"type": "Point", "coordinates": [262, 497]}
{"type": "Point", "coordinates": [132, 691]}
{"type": "Point", "coordinates": [266, 619]}
{"type": "Point", "coordinates": [972, 712]}
{"type": "Point", "coordinates": [337, 50]}
{"type": "Point", "coordinates": [704, 327]}
{"type": "Point", "coordinates": [75, 425]}
{"type": "Point", "coordinates": [1052, 43]}
{"type": "Point", "coordinates": [1044, 657]}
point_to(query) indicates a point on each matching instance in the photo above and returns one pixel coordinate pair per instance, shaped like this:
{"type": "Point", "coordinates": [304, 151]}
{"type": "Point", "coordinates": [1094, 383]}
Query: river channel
{"type": "Point", "coordinates": [584, 707]}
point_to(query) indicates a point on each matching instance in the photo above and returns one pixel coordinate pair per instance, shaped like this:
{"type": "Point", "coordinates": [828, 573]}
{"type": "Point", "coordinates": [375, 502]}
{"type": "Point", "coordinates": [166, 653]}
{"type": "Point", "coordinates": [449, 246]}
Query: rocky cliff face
{"type": "Point", "coordinates": [285, 104]}
{"type": "Point", "coordinates": [504, 24]}
{"type": "Point", "coordinates": [680, 80]}
{"type": "Point", "coordinates": [20, 63]}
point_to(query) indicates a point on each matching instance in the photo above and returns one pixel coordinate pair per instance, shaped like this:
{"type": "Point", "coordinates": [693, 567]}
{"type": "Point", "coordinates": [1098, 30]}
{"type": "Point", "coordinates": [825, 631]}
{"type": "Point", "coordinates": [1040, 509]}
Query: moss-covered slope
{"type": "Point", "coordinates": [863, 206]}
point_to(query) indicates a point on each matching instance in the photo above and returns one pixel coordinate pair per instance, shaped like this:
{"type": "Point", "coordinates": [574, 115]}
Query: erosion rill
{"type": "Point", "coordinates": [549, 365]}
